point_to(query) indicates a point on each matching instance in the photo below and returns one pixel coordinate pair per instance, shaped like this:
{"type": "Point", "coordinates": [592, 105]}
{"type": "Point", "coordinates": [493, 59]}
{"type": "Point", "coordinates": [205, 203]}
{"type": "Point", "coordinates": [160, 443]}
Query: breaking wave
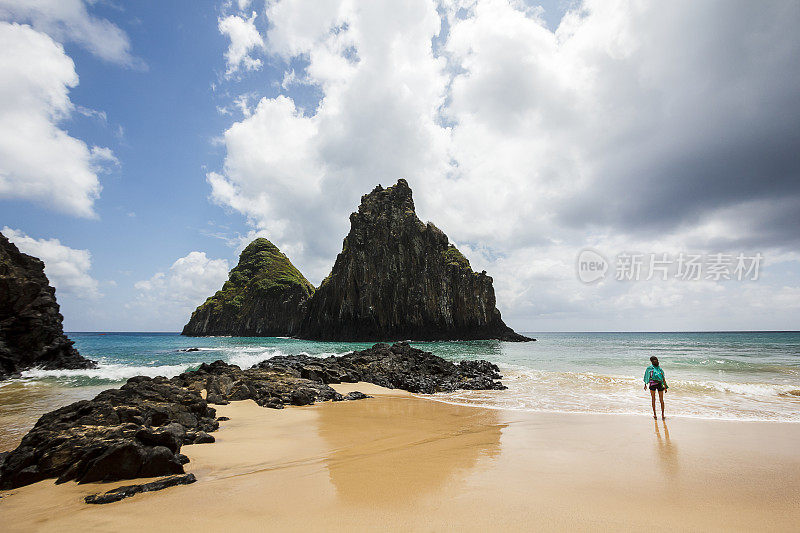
{"type": "Point", "coordinates": [572, 392]}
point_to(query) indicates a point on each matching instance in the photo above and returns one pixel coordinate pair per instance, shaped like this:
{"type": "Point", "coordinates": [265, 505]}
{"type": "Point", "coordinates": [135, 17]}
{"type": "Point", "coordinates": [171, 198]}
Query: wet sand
{"type": "Point", "coordinates": [22, 403]}
{"type": "Point", "coordinates": [399, 462]}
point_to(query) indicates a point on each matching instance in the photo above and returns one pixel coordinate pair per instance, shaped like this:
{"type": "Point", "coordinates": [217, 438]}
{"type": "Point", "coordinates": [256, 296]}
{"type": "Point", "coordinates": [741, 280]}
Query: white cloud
{"type": "Point", "coordinates": [65, 267]}
{"type": "Point", "coordinates": [69, 20]}
{"type": "Point", "coordinates": [245, 40]}
{"type": "Point", "coordinates": [172, 296]}
{"type": "Point", "coordinates": [658, 125]}
{"type": "Point", "coordinates": [376, 123]}
{"type": "Point", "coordinates": [39, 161]}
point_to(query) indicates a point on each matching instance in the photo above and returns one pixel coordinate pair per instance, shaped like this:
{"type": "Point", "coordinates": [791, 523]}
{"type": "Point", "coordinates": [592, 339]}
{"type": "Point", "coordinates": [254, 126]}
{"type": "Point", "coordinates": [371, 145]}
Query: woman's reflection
{"type": "Point", "coordinates": [666, 450]}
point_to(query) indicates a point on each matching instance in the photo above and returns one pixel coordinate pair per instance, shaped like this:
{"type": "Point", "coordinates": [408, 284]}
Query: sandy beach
{"type": "Point", "coordinates": [400, 462]}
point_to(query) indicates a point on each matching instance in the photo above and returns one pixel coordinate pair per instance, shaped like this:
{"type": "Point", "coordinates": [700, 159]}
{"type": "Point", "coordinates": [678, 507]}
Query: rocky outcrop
{"type": "Point", "coordinates": [265, 296]}
{"type": "Point", "coordinates": [139, 429]}
{"type": "Point", "coordinates": [397, 278]}
{"type": "Point", "coordinates": [399, 366]}
{"type": "Point", "coordinates": [267, 387]}
{"type": "Point", "coordinates": [134, 431]}
{"type": "Point", "coordinates": [31, 331]}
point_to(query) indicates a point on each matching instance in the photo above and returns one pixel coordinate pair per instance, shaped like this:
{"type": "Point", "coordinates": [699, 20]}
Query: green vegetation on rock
{"type": "Point", "coordinates": [453, 257]}
{"type": "Point", "coordinates": [262, 271]}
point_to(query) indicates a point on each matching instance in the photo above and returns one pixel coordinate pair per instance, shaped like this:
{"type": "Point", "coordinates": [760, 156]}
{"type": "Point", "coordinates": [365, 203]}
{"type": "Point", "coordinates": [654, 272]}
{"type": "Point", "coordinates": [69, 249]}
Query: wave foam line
{"type": "Point", "coordinates": [647, 414]}
{"type": "Point", "coordinates": [250, 356]}
{"type": "Point", "coordinates": [110, 372]}
{"type": "Point", "coordinates": [517, 374]}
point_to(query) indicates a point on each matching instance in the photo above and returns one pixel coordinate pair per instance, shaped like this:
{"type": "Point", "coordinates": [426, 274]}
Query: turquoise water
{"type": "Point", "coordinates": [743, 375]}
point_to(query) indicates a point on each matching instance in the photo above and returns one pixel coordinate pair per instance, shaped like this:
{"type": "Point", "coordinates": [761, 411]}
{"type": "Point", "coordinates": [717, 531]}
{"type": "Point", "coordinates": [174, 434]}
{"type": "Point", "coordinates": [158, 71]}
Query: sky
{"type": "Point", "coordinates": [144, 144]}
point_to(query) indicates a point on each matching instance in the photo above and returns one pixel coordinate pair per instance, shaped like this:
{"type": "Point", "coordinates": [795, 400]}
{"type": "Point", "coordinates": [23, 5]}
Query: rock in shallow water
{"type": "Point", "coordinates": [399, 366]}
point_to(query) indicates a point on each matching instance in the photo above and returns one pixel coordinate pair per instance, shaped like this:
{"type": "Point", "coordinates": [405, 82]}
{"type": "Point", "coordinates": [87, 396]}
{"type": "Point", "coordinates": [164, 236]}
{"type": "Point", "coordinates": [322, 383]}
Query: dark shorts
{"type": "Point", "coordinates": [656, 385]}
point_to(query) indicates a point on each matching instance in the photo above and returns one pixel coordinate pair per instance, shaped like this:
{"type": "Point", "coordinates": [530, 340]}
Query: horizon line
{"type": "Point", "coordinates": [521, 331]}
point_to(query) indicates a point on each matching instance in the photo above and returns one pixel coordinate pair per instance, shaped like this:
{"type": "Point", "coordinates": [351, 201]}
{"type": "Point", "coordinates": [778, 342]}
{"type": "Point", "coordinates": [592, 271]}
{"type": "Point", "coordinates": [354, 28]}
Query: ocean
{"type": "Point", "coordinates": [745, 376]}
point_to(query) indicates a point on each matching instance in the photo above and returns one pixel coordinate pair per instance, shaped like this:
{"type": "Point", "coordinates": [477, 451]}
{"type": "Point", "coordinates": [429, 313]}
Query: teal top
{"type": "Point", "coordinates": [655, 373]}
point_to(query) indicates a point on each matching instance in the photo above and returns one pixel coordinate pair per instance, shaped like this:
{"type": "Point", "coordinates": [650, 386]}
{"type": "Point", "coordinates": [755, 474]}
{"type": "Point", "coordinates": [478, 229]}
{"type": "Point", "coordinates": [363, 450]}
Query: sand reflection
{"type": "Point", "coordinates": [666, 450]}
{"type": "Point", "coordinates": [389, 450]}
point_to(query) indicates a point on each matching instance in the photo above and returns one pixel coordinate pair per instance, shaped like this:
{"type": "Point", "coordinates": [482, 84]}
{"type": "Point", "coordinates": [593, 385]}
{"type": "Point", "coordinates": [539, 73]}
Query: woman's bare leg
{"type": "Point", "coordinates": [653, 396]}
{"type": "Point", "coordinates": [660, 399]}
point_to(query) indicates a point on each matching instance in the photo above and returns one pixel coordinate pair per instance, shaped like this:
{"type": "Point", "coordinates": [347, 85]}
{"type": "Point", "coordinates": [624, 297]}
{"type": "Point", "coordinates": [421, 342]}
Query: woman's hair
{"type": "Point", "coordinates": [654, 360]}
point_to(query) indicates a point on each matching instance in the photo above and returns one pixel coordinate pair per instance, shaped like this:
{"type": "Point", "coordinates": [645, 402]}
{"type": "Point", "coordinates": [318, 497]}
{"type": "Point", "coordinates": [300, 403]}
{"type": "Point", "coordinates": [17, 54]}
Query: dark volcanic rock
{"type": "Point", "coordinates": [129, 490]}
{"type": "Point", "coordinates": [138, 430]}
{"type": "Point", "coordinates": [268, 387]}
{"type": "Point", "coordinates": [134, 431]}
{"type": "Point", "coordinates": [31, 334]}
{"type": "Point", "coordinates": [264, 296]}
{"type": "Point", "coordinates": [356, 395]}
{"type": "Point", "coordinates": [397, 278]}
{"type": "Point", "coordinates": [399, 366]}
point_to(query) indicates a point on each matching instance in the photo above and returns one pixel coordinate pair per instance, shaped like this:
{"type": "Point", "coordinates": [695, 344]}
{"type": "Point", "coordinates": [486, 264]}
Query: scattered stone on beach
{"type": "Point", "coordinates": [399, 366]}
{"type": "Point", "coordinates": [138, 430]}
{"type": "Point", "coordinates": [121, 493]}
{"type": "Point", "coordinates": [356, 395]}
{"type": "Point", "coordinates": [31, 331]}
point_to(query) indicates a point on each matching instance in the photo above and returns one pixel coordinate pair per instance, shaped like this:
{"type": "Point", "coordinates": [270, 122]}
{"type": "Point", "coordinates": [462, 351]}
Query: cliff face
{"type": "Point", "coordinates": [265, 296]}
{"type": "Point", "coordinates": [31, 332]}
{"type": "Point", "coordinates": [397, 278]}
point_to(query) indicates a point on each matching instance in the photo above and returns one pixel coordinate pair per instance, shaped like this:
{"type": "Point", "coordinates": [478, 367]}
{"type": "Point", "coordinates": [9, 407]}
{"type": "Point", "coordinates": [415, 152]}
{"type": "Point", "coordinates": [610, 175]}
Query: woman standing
{"type": "Point", "coordinates": [654, 378]}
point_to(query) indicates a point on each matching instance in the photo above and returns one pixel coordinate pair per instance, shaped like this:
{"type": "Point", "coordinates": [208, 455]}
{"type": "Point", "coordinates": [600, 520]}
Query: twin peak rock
{"type": "Point", "coordinates": [395, 278]}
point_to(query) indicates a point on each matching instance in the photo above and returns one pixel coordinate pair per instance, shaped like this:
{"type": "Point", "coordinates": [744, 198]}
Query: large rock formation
{"type": "Point", "coordinates": [265, 296]}
{"type": "Point", "coordinates": [31, 333]}
{"type": "Point", "coordinates": [397, 278]}
{"type": "Point", "coordinates": [138, 430]}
